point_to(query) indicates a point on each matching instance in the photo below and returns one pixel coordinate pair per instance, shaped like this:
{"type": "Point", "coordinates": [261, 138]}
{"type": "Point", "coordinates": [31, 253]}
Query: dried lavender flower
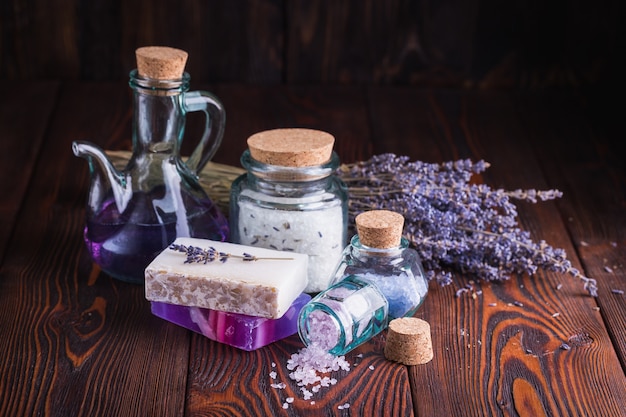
{"type": "Point", "coordinates": [453, 223]}
{"type": "Point", "coordinates": [199, 255]}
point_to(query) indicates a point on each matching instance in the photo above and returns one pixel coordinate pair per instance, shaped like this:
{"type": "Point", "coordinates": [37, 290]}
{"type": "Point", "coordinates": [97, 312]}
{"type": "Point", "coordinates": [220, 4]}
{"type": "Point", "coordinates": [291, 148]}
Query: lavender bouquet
{"type": "Point", "coordinates": [454, 224]}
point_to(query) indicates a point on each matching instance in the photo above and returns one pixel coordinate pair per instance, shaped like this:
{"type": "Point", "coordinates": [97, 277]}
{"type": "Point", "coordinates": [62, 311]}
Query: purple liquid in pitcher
{"type": "Point", "coordinates": [123, 244]}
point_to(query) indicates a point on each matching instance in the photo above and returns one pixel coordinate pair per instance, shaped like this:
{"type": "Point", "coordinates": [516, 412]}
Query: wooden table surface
{"type": "Point", "coordinates": [74, 342]}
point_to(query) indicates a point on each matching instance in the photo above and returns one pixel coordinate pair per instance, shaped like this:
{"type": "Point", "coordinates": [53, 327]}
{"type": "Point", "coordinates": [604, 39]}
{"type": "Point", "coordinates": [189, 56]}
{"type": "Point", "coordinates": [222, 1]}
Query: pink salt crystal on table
{"type": "Point", "coordinates": [238, 330]}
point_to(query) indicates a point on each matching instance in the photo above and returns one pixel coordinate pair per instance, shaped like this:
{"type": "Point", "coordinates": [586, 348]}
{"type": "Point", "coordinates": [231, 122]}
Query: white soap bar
{"type": "Point", "coordinates": [262, 288]}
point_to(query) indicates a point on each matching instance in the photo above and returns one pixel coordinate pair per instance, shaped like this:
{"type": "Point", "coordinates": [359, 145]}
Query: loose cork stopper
{"type": "Point", "coordinates": [294, 147]}
{"type": "Point", "coordinates": [380, 228]}
{"type": "Point", "coordinates": [161, 62]}
{"type": "Point", "coordinates": [409, 341]}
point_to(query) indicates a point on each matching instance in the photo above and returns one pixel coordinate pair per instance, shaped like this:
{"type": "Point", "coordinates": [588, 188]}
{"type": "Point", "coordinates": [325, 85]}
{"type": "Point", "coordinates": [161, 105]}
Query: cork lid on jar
{"type": "Point", "coordinates": [380, 228]}
{"type": "Point", "coordinates": [161, 62]}
{"type": "Point", "coordinates": [294, 147]}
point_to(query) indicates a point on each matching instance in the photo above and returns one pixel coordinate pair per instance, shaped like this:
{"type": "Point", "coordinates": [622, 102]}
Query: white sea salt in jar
{"type": "Point", "coordinates": [291, 200]}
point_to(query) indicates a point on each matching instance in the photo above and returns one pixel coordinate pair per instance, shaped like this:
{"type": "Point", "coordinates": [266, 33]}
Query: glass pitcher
{"type": "Point", "coordinates": [132, 215]}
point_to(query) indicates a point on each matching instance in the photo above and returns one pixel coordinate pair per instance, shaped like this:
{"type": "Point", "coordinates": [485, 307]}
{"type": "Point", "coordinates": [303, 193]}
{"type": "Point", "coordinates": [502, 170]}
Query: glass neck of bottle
{"type": "Point", "coordinates": [359, 250]}
{"type": "Point", "coordinates": [158, 115]}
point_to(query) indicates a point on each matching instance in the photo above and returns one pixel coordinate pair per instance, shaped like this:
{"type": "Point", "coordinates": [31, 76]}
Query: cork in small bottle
{"type": "Point", "coordinates": [161, 62]}
{"type": "Point", "coordinates": [409, 341]}
{"type": "Point", "coordinates": [380, 229]}
{"type": "Point", "coordinates": [294, 147]}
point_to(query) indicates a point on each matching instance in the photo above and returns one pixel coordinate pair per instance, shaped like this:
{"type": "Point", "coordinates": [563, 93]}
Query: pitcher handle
{"type": "Point", "coordinates": [215, 121]}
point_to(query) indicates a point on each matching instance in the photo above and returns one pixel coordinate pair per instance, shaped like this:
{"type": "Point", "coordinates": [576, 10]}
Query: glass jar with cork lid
{"type": "Point", "coordinates": [379, 278]}
{"type": "Point", "coordinates": [291, 200]}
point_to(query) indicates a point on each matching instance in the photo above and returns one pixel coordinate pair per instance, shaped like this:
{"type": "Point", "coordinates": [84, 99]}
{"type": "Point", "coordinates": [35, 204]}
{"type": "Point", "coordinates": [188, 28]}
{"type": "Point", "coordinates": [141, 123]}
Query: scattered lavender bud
{"type": "Point", "coordinates": [460, 291]}
{"type": "Point", "coordinates": [565, 346]}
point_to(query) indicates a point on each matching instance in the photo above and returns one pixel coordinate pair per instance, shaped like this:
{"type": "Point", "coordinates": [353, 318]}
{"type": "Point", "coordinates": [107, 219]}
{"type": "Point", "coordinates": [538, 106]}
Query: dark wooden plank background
{"type": "Point", "coordinates": [420, 78]}
{"type": "Point", "coordinates": [455, 43]}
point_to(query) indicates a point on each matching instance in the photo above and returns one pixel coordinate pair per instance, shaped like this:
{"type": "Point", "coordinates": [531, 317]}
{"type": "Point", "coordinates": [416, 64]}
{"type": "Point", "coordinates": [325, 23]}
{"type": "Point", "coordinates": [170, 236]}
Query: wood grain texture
{"type": "Point", "coordinates": [482, 44]}
{"type": "Point", "coordinates": [240, 385]}
{"type": "Point", "coordinates": [594, 209]}
{"type": "Point", "coordinates": [23, 119]}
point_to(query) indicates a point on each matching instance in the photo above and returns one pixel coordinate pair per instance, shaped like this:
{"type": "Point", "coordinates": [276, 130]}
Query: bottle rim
{"type": "Point", "coordinates": [159, 87]}
{"type": "Point", "coordinates": [339, 340]}
{"type": "Point", "coordinates": [355, 242]}
{"type": "Point", "coordinates": [289, 174]}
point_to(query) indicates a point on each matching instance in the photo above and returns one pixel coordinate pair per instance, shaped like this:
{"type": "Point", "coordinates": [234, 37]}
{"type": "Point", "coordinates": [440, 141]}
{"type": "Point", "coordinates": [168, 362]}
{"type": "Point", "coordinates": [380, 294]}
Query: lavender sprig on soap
{"type": "Point", "coordinates": [196, 254]}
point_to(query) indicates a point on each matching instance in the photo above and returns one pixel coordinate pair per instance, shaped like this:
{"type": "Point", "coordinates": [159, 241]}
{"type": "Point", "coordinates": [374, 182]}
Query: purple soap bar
{"type": "Point", "coordinates": [238, 330]}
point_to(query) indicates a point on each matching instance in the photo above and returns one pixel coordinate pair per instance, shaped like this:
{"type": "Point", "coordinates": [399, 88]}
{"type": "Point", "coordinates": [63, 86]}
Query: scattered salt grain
{"type": "Point", "coordinates": [344, 407]}
{"type": "Point", "coordinates": [608, 269]}
{"type": "Point", "coordinates": [617, 291]}
{"type": "Point", "coordinates": [309, 368]}
{"type": "Point", "coordinates": [371, 367]}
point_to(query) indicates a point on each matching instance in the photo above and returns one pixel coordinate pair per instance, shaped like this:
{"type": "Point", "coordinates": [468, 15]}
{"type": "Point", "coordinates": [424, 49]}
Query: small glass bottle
{"type": "Point", "coordinates": [291, 200]}
{"type": "Point", "coordinates": [378, 279]}
{"type": "Point", "coordinates": [135, 213]}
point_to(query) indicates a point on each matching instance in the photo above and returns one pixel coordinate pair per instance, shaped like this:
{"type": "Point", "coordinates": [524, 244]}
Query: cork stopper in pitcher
{"type": "Point", "coordinates": [161, 62]}
{"type": "Point", "coordinates": [380, 229]}
{"type": "Point", "coordinates": [294, 147]}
